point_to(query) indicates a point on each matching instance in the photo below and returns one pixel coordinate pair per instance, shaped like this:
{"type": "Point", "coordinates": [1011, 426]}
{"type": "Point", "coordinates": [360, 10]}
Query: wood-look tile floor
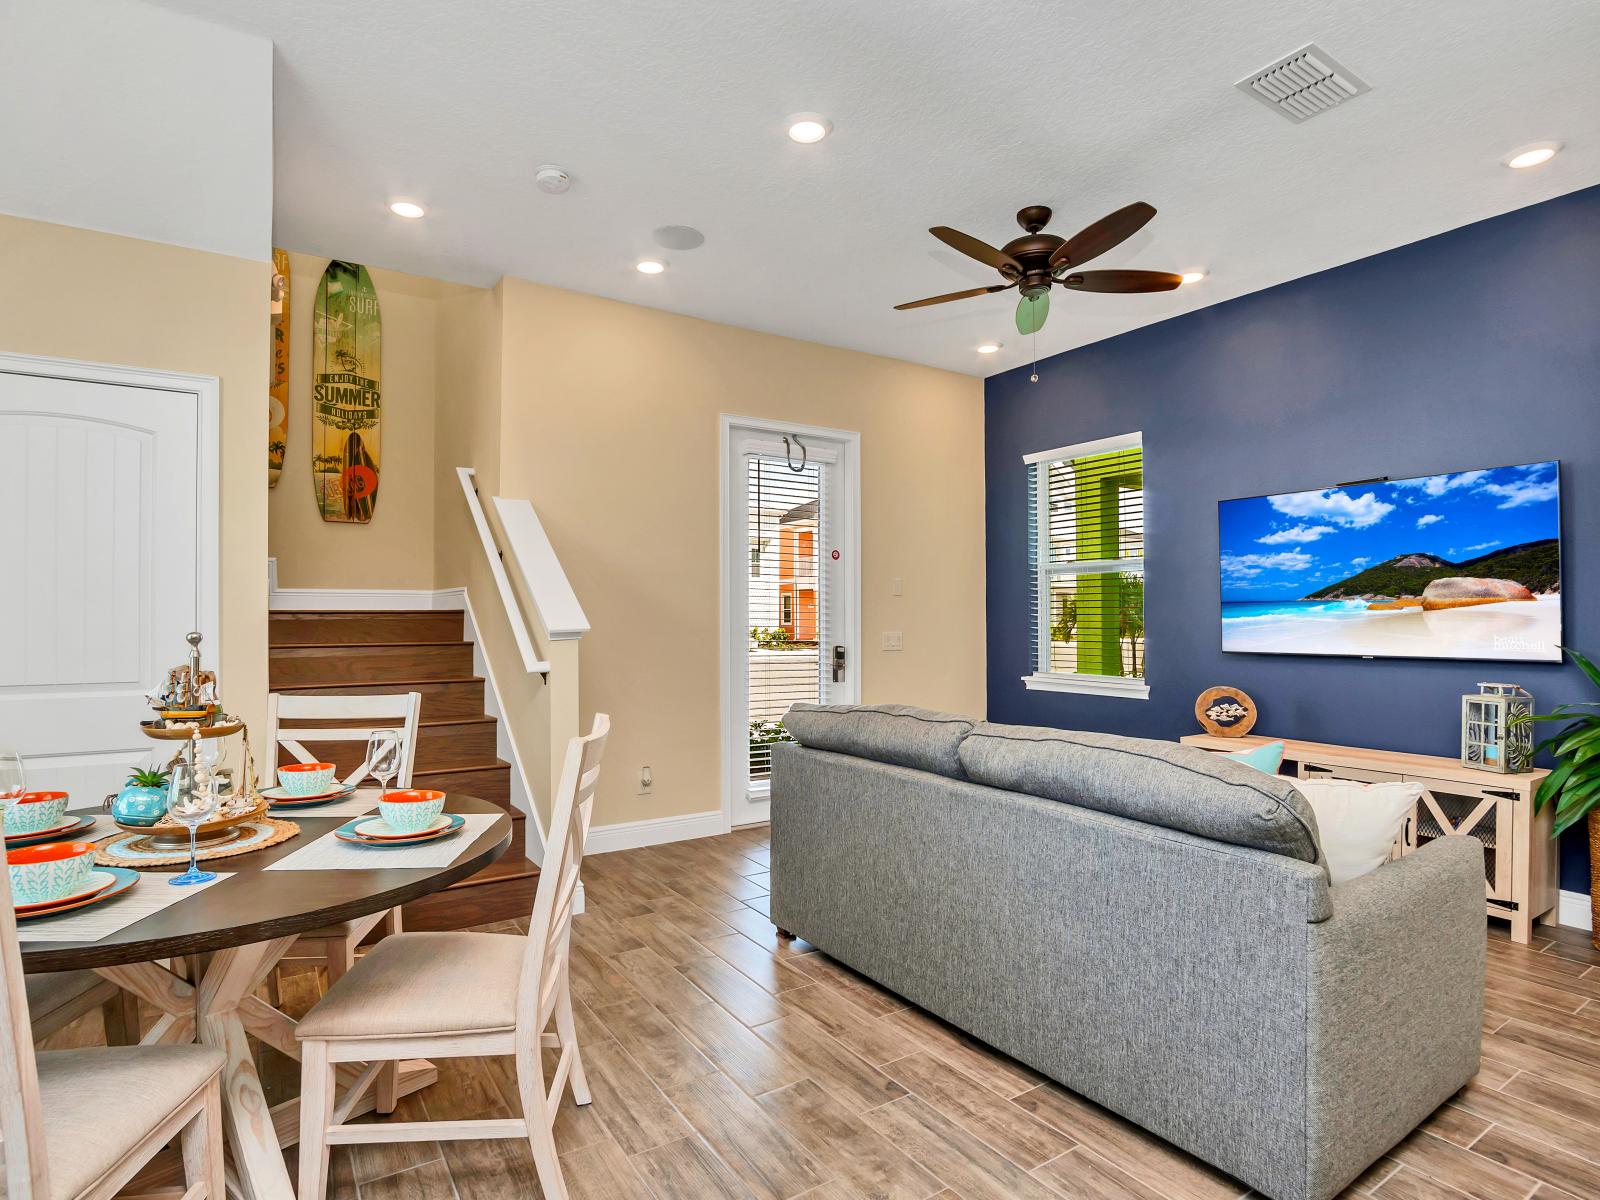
{"type": "Point", "coordinates": [727, 1065]}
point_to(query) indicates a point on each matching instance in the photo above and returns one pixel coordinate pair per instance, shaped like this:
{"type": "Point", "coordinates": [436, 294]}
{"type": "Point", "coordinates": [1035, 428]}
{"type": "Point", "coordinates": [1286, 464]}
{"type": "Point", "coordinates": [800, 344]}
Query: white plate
{"type": "Point", "coordinates": [380, 830]}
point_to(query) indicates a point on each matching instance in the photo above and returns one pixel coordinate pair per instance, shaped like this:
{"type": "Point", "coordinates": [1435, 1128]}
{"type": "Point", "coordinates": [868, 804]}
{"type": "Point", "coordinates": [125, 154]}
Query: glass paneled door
{"type": "Point", "coordinates": [790, 534]}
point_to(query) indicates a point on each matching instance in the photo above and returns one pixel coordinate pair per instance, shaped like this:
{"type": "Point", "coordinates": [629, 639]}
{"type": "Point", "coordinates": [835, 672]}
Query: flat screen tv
{"type": "Point", "coordinates": [1462, 566]}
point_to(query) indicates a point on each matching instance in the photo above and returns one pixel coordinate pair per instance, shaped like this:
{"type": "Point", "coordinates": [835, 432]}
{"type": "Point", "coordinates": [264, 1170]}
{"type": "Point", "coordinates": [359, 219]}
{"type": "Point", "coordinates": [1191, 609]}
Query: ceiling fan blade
{"type": "Point", "coordinates": [982, 251]}
{"type": "Point", "coordinates": [983, 291]}
{"type": "Point", "coordinates": [1121, 281]}
{"type": "Point", "coordinates": [1105, 233]}
{"type": "Point", "coordinates": [1031, 312]}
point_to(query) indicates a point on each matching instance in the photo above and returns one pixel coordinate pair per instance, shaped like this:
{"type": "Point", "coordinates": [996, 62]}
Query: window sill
{"type": "Point", "coordinates": [1089, 685]}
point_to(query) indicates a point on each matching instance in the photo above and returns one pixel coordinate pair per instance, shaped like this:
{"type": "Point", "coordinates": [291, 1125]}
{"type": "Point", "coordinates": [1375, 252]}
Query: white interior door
{"type": "Point", "coordinates": [107, 496]}
{"type": "Point", "coordinates": [792, 566]}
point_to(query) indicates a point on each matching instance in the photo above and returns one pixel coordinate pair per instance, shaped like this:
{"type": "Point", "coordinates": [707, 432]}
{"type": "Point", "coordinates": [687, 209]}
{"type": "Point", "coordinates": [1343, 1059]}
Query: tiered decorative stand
{"type": "Point", "coordinates": [188, 708]}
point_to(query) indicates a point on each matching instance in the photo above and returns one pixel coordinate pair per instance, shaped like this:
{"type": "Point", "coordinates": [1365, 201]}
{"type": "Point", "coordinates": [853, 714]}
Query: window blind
{"type": "Point", "coordinates": [789, 605]}
{"type": "Point", "coordinates": [1086, 546]}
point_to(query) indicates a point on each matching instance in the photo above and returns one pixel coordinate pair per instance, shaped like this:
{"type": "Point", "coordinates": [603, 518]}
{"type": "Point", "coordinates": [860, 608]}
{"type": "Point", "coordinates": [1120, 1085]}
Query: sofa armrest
{"type": "Point", "coordinates": [1394, 1005]}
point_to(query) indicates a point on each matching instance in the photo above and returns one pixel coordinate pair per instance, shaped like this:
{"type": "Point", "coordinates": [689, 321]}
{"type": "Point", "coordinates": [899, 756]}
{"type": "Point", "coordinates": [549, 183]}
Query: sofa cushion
{"type": "Point", "coordinates": [1159, 783]}
{"type": "Point", "coordinates": [891, 733]}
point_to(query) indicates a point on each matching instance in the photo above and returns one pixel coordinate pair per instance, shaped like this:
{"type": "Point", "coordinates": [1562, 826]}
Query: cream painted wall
{"type": "Point", "coordinates": [395, 549]}
{"type": "Point", "coordinates": [73, 293]}
{"type": "Point", "coordinates": [610, 427]}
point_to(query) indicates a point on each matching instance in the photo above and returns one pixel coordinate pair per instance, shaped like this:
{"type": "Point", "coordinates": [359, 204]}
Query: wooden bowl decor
{"type": "Point", "coordinates": [1225, 712]}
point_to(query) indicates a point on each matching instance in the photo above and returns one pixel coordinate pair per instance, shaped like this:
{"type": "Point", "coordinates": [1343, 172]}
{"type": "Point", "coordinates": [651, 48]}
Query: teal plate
{"type": "Point", "coordinates": [347, 833]}
{"type": "Point", "coordinates": [84, 823]}
{"type": "Point", "coordinates": [125, 879]}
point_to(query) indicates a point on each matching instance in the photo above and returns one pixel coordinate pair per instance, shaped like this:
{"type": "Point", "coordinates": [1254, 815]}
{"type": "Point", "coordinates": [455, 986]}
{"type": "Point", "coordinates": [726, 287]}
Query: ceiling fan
{"type": "Point", "coordinates": [1035, 261]}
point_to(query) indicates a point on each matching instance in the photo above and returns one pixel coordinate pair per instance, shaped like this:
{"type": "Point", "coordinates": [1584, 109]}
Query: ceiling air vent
{"type": "Point", "coordinates": [1304, 84]}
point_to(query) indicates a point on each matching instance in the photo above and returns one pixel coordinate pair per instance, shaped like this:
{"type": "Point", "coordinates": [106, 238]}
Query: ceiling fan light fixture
{"type": "Point", "coordinates": [409, 209]}
{"type": "Point", "coordinates": [650, 266]}
{"type": "Point", "coordinates": [990, 347]}
{"type": "Point", "coordinates": [1193, 277]}
{"type": "Point", "coordinates": [809, 128]}
{"type": "Point", "coordinates": [1532, 156]}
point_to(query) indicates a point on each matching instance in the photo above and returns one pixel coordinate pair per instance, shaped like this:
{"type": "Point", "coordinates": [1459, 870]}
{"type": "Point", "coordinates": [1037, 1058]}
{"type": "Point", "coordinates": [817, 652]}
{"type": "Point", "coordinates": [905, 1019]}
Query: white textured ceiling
{"type": "Point", "coordinates": [100, 125]}
{"type": "Point", "coordinates": [950, 112]}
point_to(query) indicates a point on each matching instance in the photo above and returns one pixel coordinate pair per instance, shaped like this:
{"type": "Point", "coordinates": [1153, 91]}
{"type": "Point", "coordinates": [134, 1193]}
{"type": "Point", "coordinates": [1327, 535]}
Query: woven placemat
{"type": "Point", "coordinates": [137, 850]}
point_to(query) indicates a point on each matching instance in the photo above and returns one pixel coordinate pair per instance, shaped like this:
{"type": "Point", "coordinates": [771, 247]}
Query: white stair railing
{"type": "Point", "coordinates": [531, 661]}
{"type": "Point", "coordinates": [548, 647]}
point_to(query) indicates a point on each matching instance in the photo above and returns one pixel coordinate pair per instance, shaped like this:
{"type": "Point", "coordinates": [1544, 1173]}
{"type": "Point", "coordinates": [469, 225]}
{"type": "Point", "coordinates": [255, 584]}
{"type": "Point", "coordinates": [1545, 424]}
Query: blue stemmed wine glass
{"type": "Point", "coordinates": [191, 804]}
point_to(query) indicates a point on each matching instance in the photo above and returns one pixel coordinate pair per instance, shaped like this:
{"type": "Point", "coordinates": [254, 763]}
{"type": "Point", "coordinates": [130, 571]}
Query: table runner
{"type": "Point", "coordinates": [329, 853]}
{"type": "Point", "coordinates": [95, 921]}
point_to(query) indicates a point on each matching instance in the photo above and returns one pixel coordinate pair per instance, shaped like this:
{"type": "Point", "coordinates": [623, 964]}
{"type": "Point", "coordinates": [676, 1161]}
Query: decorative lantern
{"type": "Point", "coordinates": [1490, 741]}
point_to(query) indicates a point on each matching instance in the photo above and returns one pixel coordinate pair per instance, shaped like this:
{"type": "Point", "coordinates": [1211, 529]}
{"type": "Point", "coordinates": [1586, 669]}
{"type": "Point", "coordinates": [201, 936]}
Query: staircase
{"type": "Point", "coordinates": [378, 652]}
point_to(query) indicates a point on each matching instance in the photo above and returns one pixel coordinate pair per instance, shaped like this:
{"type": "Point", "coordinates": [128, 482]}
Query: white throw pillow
{"type": "Point", "coordinates": [1358, 822]}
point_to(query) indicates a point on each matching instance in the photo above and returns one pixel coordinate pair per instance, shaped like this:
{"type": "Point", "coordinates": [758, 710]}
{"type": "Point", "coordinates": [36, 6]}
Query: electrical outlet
{"type": "Point", "coordinates": [893, 641]}
{"type": "Point", "coordinates": [895, 587]}
{"type": "Point", "coordinates": [647, 781]}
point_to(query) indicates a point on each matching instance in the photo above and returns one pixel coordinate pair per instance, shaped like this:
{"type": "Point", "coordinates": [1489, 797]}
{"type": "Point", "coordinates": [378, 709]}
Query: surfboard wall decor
{"type": "Point", "coordinates": [346, 393]}
{"type": "Point", "coordinates": [278, 369]}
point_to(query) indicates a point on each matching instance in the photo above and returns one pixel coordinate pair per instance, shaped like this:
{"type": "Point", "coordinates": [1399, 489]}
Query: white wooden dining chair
{"type": "Point", "coordinates": [322, 719]}
{"type": "Point", "coordinates": [79, 1124]}
{"type": "Point", "coordinates": [461, 995]}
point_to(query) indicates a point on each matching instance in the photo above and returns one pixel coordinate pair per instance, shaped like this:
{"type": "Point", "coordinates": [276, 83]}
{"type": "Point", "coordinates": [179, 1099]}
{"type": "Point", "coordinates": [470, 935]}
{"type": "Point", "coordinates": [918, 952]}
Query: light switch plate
{"type": "Point", "coordinates": [893, 641]}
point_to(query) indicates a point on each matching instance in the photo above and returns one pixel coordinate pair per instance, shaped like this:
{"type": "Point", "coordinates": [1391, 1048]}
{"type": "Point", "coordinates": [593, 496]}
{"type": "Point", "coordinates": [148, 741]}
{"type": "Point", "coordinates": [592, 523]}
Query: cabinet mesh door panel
{"type": "Point", "coordinates": [789, 611]}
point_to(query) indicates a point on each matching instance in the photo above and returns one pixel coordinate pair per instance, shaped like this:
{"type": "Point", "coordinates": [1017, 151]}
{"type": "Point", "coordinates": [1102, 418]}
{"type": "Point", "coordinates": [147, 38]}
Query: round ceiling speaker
{"type": "Point", "coordinates": [552, 179]}
{"type": "Point", "coordinates": [679, 237]}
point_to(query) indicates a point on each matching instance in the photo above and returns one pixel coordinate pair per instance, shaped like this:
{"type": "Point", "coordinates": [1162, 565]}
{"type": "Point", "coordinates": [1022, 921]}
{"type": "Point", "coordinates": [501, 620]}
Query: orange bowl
{"type": "Point", "coordinates": [40, 874]}
{"type": "Point", "coordinates": [412, 796]}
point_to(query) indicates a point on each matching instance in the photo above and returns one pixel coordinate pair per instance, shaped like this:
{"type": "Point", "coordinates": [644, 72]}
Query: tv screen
{"type": "Point", "coordinates": [1462, 566]}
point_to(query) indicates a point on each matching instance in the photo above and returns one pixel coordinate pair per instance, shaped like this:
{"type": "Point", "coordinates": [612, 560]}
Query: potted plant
{"type": "Point", "coordinates": [1574, 786]}
{"type": "Point", "coordinates": [143, 798]}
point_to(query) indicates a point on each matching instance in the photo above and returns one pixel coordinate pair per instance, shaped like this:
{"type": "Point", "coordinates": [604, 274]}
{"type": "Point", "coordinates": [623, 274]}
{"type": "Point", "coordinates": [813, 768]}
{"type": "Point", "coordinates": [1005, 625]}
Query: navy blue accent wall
{"type": "Point", "coordinates": [1476, 348]}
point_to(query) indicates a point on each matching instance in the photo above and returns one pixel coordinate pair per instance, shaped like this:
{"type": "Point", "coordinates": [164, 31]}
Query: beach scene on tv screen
{"type": "Point", "coordinates": [1466, 565]}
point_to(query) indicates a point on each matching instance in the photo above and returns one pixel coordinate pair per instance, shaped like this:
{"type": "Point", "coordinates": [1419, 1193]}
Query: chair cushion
{"type": "Point", "coordinates": [891, 733]}
{"type": "Point", "coordinates": [1159, 783]}
{"type": "Point", "coordinates": [46, 993]}
{"type": "Point", "coordinates": [100, 1103]}
{"type": "Point", "coordinates": [420, 984]}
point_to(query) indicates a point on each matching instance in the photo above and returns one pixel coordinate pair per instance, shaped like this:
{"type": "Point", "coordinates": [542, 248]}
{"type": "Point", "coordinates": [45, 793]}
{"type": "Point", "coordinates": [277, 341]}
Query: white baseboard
{"type": "Point", "coordinates": [630, 835]}
{"type": "Point", "coordinates": [1575, 911]}
{"type": "Point", "coordinates": [365, 599]}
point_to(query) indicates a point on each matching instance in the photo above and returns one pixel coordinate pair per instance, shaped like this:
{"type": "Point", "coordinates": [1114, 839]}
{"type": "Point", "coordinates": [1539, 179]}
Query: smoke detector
{"type": "Point", "coordinates": [552, 179]}
{"type": "Point", "coordinates": [1303, 84]}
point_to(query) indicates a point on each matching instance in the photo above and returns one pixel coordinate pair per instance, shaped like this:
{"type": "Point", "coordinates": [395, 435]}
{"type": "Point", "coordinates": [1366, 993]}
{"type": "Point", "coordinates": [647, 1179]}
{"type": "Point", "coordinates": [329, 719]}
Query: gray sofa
{"type": "Point", "coordinates": [1147, 924]}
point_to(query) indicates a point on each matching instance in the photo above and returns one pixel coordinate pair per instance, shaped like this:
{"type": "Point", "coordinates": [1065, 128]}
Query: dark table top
{"type": "Point", "coordinates": [257, 905]}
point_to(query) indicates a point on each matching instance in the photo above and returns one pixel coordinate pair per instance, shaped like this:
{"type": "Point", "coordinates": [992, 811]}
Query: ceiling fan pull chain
{"type": "Point", "coordinates": [1034, 378]}
{"type": "Point", "coordinates": [788, 456]}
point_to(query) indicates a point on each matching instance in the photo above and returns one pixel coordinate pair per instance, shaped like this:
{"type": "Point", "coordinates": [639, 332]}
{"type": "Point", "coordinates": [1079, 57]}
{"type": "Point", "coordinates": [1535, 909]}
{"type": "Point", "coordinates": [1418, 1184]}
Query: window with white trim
{"type": "Point", "coordinates": [1086, 553]}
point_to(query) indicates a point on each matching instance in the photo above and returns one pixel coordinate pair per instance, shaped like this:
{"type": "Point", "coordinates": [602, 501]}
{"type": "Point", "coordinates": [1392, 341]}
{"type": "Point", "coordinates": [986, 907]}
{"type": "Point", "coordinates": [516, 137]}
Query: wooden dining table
{"type": "Point", "coordinates": [229, 937]}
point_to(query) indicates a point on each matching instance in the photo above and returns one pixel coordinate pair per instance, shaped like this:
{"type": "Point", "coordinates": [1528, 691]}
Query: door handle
{"type": "Point", "coordinates": [838, 664]}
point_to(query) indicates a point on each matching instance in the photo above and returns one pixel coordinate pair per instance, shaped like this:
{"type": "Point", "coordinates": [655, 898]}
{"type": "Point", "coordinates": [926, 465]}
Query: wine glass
{"type": "Point", "coordinates": [13, 782]}
{"type": "Point", "coordinates": [383, 756]}
{"type": "Point", "coordinates": [190, 805]}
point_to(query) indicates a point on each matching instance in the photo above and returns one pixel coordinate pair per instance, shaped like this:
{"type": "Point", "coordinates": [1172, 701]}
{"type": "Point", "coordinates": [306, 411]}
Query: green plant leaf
{"type": "Point", "coordinates": [1551, 785]}
{"type": "Point", "coordinates": [1572, 741]}
{"type": "Point", "coordinates": [1031, 312]}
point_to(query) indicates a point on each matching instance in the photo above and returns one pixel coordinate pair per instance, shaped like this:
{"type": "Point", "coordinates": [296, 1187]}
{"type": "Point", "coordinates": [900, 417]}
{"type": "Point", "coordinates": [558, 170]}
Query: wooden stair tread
{"type": "Point", "coordinates": [366, 645]}
{"type": "Point", "coordinates": [384, 683]}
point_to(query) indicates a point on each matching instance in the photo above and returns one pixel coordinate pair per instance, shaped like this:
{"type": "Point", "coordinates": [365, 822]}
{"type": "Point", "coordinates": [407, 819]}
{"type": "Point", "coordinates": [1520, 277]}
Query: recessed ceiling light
{"type": "Point", "coordinates": [1532, 156]}
{"type": "Point", "coordinates": [407, 209]}
{"type": "Point", "coordinates": [990, 348]}
{"type": "Point", "coordinates": [1193, 276]}
{"type": "Point", "coordinates": [806, 128]}
{"type": "Point", "coordinates": [651, 266]}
